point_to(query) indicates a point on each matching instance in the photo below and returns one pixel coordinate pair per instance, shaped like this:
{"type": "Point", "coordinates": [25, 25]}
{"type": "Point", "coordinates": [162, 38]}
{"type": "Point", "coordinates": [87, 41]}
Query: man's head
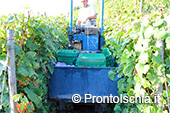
{"type": "Point", "coordinates": [84, 3]}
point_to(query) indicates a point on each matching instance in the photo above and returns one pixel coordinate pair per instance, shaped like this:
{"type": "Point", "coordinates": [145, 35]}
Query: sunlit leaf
{"type": "Point", "coordinates": [168, 42]}
{"type": "Point", "coordinates": [143, 57]}
{"type": "Point", "coordinates": [142, 68]}
{"type": "Point", "coordinates": [17, 97]}
{"type": "Point", "coordinates": [149, 32]}
{"type": "Point", "coordinates": [160, 34]}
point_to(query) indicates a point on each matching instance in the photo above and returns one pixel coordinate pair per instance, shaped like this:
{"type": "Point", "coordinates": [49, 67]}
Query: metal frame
{"type": "Point", "coordinates": [71, 17]}
{"type": "Point", "coordinates": [102, 16]}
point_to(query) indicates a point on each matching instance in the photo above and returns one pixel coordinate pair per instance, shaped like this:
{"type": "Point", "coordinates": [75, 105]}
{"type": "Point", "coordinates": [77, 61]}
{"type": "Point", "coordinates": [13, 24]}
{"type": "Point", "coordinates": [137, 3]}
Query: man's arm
{"type": "Point", "coordinates": [90, 17]}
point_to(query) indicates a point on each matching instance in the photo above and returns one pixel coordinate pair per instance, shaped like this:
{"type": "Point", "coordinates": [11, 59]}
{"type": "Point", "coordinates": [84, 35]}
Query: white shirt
{"type": "Point", "coordinates": [86, 12]}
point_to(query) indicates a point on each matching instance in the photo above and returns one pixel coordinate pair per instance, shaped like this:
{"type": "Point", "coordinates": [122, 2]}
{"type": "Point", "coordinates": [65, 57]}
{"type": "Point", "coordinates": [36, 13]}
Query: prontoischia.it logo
{"type": "Point", "coordinates": [76, 98]}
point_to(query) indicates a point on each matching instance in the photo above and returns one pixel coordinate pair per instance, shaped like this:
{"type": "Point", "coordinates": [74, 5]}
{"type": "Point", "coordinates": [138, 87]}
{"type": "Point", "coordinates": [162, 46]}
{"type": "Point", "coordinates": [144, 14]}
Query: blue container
{"type": "Point", "coordinates": [67, 81]}
{"type": "Point", "coordinates": [90, 42]}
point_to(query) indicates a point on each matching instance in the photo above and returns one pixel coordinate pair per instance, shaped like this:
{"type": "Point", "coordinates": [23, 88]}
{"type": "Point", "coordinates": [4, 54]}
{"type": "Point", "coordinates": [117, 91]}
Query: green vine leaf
{"type": "Point", "coordinates": [117, 108]}
{"type": "Point", "coordinates": [121, 85]}
{"type": "Point", "coordinates": [31, 54]}
{"type": "Point", "coordinates": [1, 68]}
{"type": "Point", "coordinates": [23, 71]}
{"type": "Point", "coordinates": [142, 68]}
{"type": "Point", "coordinates": [31, 45]}
{"type": "Point", "coordinates": [143, 57]}
{"type": "Point", "coordinates": [149, 32]}
{"type": "Point", "coordinates": [51, 68]}
{"type": "Point", "coordinates": [17, 50]}
{"type": "Point", "coordinates": [137, 26]}
{"type": "Point", "coordinates": [138, 78]}
{"type": "Point", "coordinates": [160, 34]}
{"type": "Point", "coordinates": [152, 76]}
{"type": "Point", "coordinates": [17, 97]}
{"type": "Point", "coordinates": [167, 61]}
{"type": "Point", "coordinates": [3, 57]}
{"type": "Point", "coordinates": [5, 100]}
{"type": "Point", "coordinates": [112, 74]}
{"type": "Point", "coordinates": [156, 58]}
{"type": "Point", "coordinates": [33, 97]}
{"type": "Point", "coordinates": [158, 23]}
{"type": "Point", "coordinates": [167, 42]}
{"type": "Point", "coordinates": [137, 89]}
{"type": "Point", "coordinates": [131, 92]}
{"type": "Point", "coordinates": [36, 65]}
{"type": "Point", "coordinates": [142, 44]}
{"type": "Point", "coordinates": [146, 84]}
{"type": "Point", "coordinates": [24, 100]}
{"type": "Point", "coordinates": [128, 70]}
{"type": "Point", "coordinates": [31, 71]}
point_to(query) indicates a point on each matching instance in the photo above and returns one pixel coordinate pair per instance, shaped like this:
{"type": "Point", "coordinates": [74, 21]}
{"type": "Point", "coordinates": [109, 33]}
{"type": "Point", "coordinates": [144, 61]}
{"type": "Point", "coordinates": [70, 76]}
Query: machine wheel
{"type": "Point", "coordinates": [65, 107]}
{"type": "Point", "coordinates": [101, 108]}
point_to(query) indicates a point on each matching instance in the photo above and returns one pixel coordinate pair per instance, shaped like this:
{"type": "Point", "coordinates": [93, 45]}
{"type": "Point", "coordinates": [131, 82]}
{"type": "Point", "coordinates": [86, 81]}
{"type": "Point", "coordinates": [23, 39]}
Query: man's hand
{"type": "Point", "coordinates": [84, 22]}
{"type": "Point", "coordinates": [78, 22]}
{"type": "Point", "coordinates": [90, 17]}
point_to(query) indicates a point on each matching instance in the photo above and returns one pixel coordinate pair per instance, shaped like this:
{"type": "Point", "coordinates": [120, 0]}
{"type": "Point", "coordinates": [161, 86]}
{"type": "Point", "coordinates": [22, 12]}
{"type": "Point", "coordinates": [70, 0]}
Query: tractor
{"type": "Point", "coordinates": [85, 72]}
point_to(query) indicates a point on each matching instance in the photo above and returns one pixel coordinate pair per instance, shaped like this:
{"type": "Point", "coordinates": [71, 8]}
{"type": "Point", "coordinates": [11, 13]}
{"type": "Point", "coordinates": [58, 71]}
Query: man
{"type": "Point", "coordinates": [86, 13]}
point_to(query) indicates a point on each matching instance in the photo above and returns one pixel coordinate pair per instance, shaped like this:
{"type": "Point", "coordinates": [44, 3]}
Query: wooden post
{"type": "Point", "coordinates": [141, 2]}
{"type": "Point", "coordinates": [159, 89]}
{"type": "Point", "coordinates": [11, 71]}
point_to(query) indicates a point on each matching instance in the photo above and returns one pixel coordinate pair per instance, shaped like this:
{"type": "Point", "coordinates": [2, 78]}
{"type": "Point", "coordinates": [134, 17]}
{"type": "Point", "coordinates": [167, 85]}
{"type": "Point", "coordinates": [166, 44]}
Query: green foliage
{"type": "Point", "coordinates": [131, 37]}
{"type": "Point", "coordinates": [37, 39]}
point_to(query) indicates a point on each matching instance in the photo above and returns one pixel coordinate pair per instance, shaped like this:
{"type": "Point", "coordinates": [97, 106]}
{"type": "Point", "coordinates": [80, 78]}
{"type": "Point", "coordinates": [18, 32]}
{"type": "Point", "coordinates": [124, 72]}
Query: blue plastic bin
{"type": "Point", "coordinates": [67, 81]}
